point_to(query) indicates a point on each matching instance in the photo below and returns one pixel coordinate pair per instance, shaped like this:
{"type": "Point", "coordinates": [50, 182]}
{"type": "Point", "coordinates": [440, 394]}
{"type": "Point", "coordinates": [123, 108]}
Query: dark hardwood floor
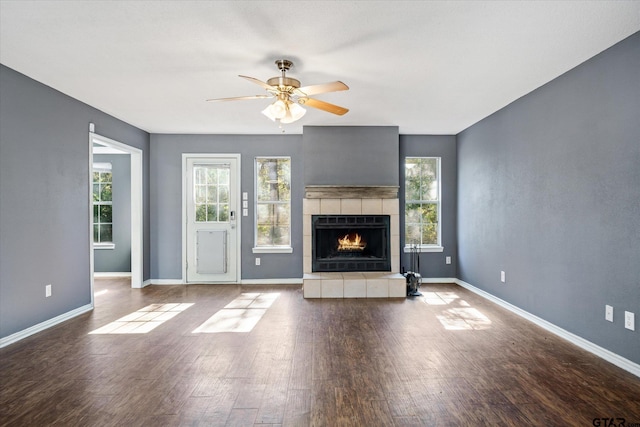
{"type": "Point", "coordinates": [451, 358]}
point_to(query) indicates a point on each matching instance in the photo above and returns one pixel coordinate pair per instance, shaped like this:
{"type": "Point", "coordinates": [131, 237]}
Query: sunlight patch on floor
{"type": "Point", "coordinates": [461, 318]}
{"type": "Point", "coordinates": [439, 298]}
{"type": "Point", "coordinates": [240, 315]}
{"type": "Point", "coordinates": [99, 293]}
{"type": "Point", "coordinates": [144, 320]}
{"type": "Point", "coordinates": [464, 318]}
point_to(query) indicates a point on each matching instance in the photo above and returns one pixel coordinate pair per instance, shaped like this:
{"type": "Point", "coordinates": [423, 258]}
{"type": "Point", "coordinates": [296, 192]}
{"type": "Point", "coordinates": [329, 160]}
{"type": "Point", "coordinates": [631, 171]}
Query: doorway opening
{"type": "Point", "coordinates": [99, 148]}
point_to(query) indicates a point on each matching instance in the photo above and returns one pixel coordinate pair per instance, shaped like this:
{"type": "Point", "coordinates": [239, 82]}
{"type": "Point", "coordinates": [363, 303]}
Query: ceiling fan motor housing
{"type": "Point", "coordinates": [284, 82]}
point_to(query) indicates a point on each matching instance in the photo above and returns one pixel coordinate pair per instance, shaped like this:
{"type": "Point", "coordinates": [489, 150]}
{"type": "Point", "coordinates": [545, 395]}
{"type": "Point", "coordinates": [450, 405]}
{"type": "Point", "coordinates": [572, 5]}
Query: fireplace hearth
{"type": "Point", "coordinates": [342, 243]}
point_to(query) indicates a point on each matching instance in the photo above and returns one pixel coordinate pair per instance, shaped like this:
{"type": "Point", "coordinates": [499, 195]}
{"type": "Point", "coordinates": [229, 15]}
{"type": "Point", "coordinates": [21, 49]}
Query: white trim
{"type": "Point", "coordinates": [439, 280]}
{"type": "Point", "coordinates": [272, 250]}
{"type": "Point", "coordinates": [101, 166]}
{"type": "Point", "coordinates": [163, 282]}
{"type": "Point", "coordinates": [289, 281]}
{"type": "Point", "coordinates": [112, 274]}
{"type": "Point", "coordinates": [293, 281]}
{"type": "Point", "coordinates": [104, 245]}
{"type": "Point", "coordinates": [423, 249]}
{"type": "Point", "coordinates": [44, 325]}
{"type": "Point", "coordinates": [238, 209]}
{"type": "Point", "coordinates": [137, 258]}
{"type": "Point", "coordinates": [603, 353]}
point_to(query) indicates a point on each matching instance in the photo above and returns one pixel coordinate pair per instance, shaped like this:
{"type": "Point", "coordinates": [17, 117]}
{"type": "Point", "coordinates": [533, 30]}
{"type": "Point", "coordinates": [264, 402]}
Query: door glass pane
{"type": "Point", "coordinates": [211, 193]}
{"type": "Point", "coordinates": [223, 175]}
{"type": "Point", "coordinates": [201, 194]}
{"type": "Point", "coordinates": [212, 176]}
{"type": "Point", "coordinates": [201, 213]}
{"type": "Point", "coordinates": [223, 194]}
{"type": "Point", "coordinates": [223, 213]}
{"type": "Point", "coordinates": [201, 175]}
{"type": "Point", "coordinates": [212, 213]}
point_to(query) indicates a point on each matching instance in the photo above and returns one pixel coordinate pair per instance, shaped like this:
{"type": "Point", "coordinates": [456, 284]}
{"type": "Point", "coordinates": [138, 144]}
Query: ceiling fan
{"type": "Point", "coordinates": [289, 95]}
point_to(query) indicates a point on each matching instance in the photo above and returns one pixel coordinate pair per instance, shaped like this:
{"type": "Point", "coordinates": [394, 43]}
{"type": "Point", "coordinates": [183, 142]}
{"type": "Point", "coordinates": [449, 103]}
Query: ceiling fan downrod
{"type": "Point", "coordinates": [283, 81]}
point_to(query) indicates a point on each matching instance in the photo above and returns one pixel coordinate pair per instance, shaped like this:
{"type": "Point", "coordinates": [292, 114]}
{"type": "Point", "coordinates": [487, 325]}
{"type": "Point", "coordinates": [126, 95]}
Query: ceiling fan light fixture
{"type": "Point", "coordinates": [294, 112]}
{"type": "Point", "coordinates": [276, 111]}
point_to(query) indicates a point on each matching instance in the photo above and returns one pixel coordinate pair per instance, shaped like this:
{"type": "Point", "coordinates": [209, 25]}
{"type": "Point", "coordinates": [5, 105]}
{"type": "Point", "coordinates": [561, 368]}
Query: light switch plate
{"type": "Point", "coordinates": [608, 313]}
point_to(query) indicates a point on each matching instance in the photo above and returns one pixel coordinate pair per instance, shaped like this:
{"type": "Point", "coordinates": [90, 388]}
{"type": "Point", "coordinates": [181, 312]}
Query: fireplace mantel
{"type": "Point", "coordinates": [351, 191]}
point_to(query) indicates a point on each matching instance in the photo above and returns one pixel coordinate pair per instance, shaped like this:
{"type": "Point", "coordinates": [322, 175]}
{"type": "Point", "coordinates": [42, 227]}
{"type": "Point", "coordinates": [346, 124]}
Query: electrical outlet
{"type": "Point", "coordinates": [448, 260]}
{"type": "Point", "coordinates": [257, 261]}
{"type": "Point", "coordinates": [47, 291]}
{"type": "Point", "coordinates": [608, 313]}
{"type": "Point", "coordinates": [503, 277]}
{"type": "Point", "coordinates": [629, 320]}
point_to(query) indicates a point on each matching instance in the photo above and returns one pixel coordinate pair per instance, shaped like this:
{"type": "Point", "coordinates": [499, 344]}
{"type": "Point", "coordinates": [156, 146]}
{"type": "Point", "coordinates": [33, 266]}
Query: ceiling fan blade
{"type": "Point", "coordinates": [321, 105]}
{"type": "Point", "coordinates": [239, 98]}
{"type": "Point", "coordinates": [321, 88]}
{"type": "Point", "coordinates": [260, 82]}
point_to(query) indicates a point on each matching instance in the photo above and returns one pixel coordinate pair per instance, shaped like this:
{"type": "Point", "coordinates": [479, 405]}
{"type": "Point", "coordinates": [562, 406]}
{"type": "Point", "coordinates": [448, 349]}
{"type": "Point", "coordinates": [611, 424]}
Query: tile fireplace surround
{"type": "Point", "coordinates": [353, 200]}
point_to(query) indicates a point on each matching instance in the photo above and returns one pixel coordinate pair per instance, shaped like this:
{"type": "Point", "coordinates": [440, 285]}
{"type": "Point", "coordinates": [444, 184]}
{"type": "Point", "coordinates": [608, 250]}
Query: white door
{"type": "Point", "coordinates": [211, 228]}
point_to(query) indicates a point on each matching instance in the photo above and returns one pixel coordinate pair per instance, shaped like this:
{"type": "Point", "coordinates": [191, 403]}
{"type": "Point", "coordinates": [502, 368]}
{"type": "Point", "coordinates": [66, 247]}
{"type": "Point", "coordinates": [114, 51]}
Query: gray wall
{"type": "Point", "coordinates": [117, 259]}
{"type": "Point", "coordinates": [166, 200]}
{"type": "Point", "coordinates": [549, 192]}
{"type": "Point", "coordinates": [432, 264]}
{"type": "Point", "coordinates": [350, 155]}
{"type": "Point", "coordinates": [44, 199]}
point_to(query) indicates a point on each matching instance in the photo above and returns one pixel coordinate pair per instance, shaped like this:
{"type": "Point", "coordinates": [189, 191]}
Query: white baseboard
{"type": "Point", "coordinates": [163, 282]}
{"type": "Point", "coordinates": [439, 280]}
{"type": "Point", "coordinates": [603, 353]}
{"type": "Point", "coordinates": [293, 281]}
{"type": "Point", "coordinates": [44, 325]}
{"type": "Point", "coordinates": [111, 274]}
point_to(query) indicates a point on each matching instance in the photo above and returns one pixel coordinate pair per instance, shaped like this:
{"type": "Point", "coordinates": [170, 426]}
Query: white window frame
{"type": "Point", "coordinates": [426, 247]}
{"type": "Point", "coordinates": [271, 248]}
{"type": "Point", "coordinates": [102, 168]}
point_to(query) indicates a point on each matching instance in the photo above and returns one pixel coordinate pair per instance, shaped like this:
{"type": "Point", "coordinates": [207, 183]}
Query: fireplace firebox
{"type": "Point", "coordinates": [350, 243]}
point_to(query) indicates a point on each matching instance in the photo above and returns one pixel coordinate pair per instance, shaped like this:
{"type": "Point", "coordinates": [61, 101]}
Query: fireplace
{"type": "Point", "coordinates": [343, 243]}
{"type": "Point", "coordinates": [365, 221]}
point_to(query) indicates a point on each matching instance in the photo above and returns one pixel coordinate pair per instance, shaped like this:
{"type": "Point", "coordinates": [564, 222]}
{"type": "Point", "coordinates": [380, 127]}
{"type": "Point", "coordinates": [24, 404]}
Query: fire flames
{"type": "Point", "coordinates": [351, 242]}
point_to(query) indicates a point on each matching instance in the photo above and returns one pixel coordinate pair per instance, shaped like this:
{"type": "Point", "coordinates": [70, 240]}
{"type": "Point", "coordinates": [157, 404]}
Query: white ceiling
{"type": "Point", "coordinates": [429, 67]}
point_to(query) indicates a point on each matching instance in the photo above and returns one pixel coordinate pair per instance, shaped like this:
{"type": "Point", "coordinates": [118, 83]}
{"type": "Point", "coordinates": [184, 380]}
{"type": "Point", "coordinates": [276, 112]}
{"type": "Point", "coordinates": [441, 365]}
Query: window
{"type": "Point", "coordinates": [102, 205]}
{"type": "Point", "coordinates": [422, 203]}
{"type": "Point", "coordinates": [273, 204]}
{"type": "Point", "coordinates": [211, 193]}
